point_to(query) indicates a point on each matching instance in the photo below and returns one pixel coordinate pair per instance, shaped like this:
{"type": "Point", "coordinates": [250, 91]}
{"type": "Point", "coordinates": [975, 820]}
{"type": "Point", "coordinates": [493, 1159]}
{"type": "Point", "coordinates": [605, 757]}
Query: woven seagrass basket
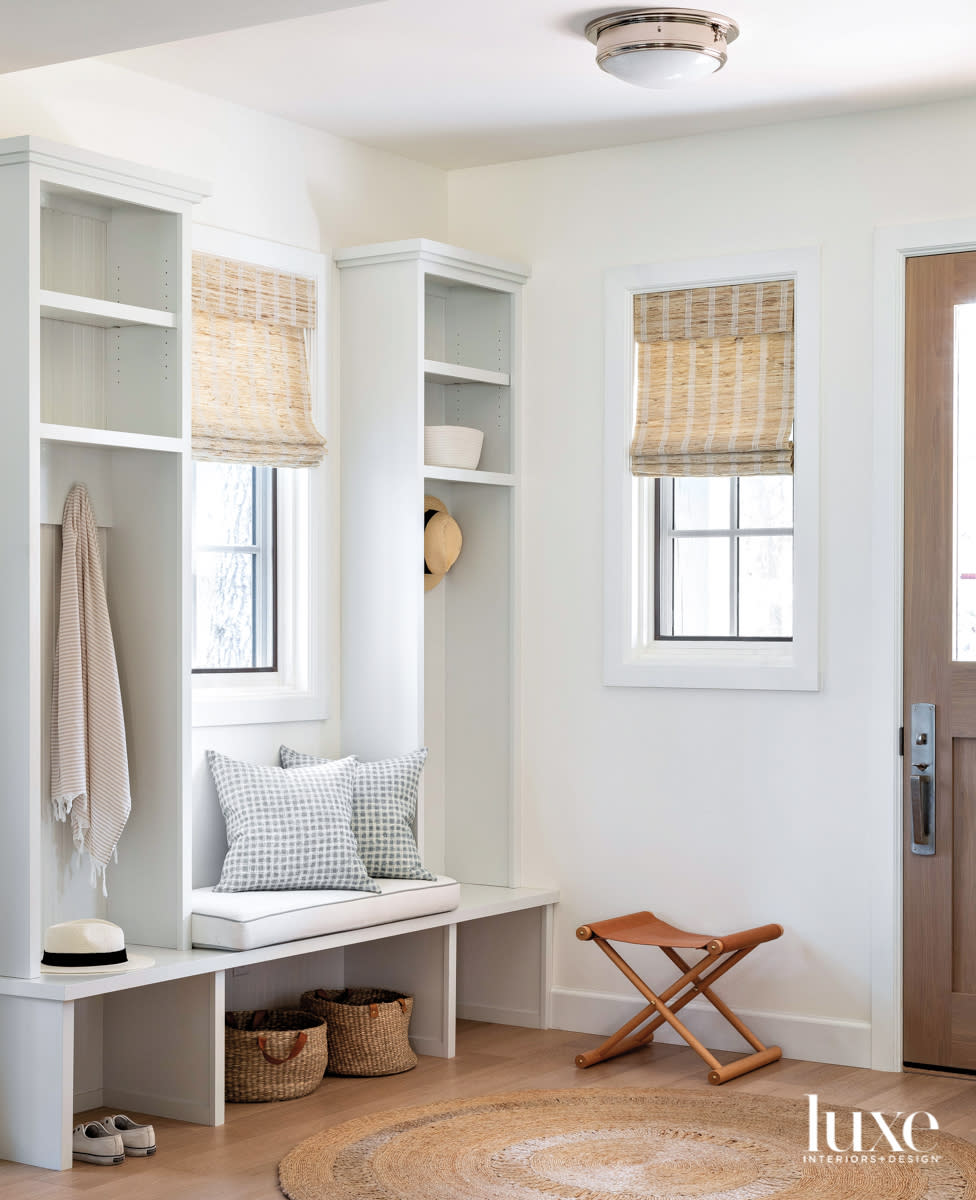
{"type": "Point", "coordinates": [367, 1029]}
{"type": "Point", "coordinates": [274, 1054]}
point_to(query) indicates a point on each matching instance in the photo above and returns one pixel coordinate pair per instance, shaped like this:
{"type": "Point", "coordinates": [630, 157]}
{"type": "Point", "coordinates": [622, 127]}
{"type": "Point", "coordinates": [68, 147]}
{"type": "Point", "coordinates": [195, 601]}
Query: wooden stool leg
{"type": "Point", "coordinates": [741, 1066]}
{"type": "Point", "coordinates": [750, 1062]}
{"type": "Point", "coordinates": [643, 1037]}
{"type": "Point", "coordinates": [612, 1046]}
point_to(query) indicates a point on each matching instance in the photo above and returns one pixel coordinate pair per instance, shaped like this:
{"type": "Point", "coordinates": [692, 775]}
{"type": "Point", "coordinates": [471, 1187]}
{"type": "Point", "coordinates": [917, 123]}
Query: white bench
{"type": "Point", "coordinates": [153, 1040]}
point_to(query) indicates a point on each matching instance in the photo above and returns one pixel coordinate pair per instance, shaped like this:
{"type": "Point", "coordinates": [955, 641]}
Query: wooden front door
{"type": "Point", "coordinates": [940, 663]}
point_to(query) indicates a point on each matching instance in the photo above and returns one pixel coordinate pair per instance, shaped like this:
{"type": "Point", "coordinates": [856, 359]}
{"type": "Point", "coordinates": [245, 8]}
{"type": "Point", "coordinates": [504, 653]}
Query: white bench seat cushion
{"type": "Point", "coordinates": [244, 920]}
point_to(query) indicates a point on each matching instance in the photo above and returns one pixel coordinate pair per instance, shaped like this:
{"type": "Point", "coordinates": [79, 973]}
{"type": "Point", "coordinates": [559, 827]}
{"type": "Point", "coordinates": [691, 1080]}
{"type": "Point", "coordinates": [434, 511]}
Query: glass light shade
{"type": "Point", "coordinates": [660, 67]}
{"type": "Point", "coordinates": [661, 48]}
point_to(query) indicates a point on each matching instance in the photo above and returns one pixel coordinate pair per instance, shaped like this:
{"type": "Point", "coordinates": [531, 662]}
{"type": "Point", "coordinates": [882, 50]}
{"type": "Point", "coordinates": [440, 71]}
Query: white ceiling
{"type": "Point", "coordinates": [39, 32]}
{"type": "Point", "coordinates": [457, 83]}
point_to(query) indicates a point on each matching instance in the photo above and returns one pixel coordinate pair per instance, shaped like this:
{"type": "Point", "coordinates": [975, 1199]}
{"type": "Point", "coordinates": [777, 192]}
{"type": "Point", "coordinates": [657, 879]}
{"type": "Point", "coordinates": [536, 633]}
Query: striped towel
{"type": "Point", "coordinates": [89, 766]}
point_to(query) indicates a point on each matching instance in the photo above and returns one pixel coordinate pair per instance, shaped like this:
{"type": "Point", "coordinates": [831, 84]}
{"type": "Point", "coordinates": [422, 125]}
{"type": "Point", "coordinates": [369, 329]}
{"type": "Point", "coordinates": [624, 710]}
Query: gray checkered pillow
{"type": "Point", "coordinates": [384, 805]}
{"type": "Point", "coordinates": [288, 829]}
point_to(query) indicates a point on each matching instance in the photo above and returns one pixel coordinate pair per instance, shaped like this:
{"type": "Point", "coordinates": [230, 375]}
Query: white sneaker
{"type": "Point", "coordinates": [138, 1141]}
{"type": "Point", "coordinates": [91, 1142]}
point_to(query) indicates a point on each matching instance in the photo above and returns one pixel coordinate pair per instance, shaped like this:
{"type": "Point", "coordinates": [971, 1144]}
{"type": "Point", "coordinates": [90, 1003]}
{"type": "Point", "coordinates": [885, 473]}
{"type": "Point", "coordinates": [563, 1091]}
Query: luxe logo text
{"type": "Point", "coordinates": [869, 1137]}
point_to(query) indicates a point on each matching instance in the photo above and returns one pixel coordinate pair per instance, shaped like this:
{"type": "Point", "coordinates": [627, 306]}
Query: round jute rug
{"type": "Point", "coordinates": [616, 1144]}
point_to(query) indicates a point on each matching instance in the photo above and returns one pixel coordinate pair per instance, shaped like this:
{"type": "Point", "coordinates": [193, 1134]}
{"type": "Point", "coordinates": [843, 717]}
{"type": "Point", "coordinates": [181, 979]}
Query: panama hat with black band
{"type": "Point", "coordinates": [89, 946]}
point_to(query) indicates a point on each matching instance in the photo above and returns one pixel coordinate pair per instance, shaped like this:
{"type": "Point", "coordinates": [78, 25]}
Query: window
{"type": "Point", "coordinates": [235, 625]}
{"type": "Point", "coordinates": [711, 562]}
{"type": "Point", "coordinates": [264, 594]}
{"type": "Point", "coordinates": [725, 558]}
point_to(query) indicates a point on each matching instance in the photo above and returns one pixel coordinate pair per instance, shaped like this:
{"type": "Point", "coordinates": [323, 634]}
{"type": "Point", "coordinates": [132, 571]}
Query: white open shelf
{"type": "Point", "coordinates": [106, 314]}
{"type": "Point", "coordinates": [444, 372]}
{"type": "Point", "coordinates": [460, 475]}
{"type": "Point", "coordinates": [80, 435]}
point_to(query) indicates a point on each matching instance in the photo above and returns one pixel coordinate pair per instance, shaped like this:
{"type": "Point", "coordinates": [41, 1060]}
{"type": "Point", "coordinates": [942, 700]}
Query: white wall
{"type": "Point", "coordinates": [270, 178]}
{"type": "Point", "coordinates": [718, 810]}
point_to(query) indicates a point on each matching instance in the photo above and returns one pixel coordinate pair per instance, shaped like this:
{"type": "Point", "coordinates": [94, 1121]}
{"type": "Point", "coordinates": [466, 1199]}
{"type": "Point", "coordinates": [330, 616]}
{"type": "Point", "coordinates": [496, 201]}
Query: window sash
{"type": "Point", "coordinates": [665, 536]}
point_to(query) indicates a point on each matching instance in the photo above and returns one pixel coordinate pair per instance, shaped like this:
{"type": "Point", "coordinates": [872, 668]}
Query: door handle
{"type": "Point", "coordinates": [921, 789]}
{"type": "Point", "coordinates": [922, 780]}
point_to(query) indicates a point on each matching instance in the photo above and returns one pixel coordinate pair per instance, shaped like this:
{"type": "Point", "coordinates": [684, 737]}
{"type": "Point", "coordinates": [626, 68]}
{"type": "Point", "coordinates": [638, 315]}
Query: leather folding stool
{"type": "Point", "coordinates": [721, 955]}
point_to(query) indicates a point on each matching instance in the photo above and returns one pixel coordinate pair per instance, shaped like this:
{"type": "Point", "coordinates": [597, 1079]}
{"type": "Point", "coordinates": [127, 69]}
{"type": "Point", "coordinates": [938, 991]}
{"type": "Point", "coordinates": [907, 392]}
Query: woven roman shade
{"type": "Point", "coordinates": [252, 400]}
{"type": "Point", "coordinates": [714, 381]}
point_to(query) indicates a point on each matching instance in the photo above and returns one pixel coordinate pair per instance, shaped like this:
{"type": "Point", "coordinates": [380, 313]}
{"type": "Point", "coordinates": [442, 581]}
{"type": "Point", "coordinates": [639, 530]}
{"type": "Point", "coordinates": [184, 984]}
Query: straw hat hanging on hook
{"type": "Point", "coordinates": [442, 541]}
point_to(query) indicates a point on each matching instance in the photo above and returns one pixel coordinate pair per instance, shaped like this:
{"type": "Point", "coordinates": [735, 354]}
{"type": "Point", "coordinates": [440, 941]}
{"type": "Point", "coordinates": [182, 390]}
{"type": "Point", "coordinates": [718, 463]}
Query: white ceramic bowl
{"type": "Point", "coordinates": [452, 446]}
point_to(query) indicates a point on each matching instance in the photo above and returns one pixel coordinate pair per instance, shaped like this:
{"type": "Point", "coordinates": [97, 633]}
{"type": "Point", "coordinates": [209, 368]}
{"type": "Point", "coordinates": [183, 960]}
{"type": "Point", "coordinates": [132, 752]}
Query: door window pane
{"type": "Point", "coordinates": [766, 587]}
{"type": "Point", "coordinates": [702, 587]}
{"type": "Point", "coordinates": [964, 589]}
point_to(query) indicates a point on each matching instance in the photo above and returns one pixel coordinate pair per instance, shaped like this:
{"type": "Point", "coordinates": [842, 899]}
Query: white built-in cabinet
{"type": "Point", "coordinates": [94, 257]}
{"type": "Point", "coordinates": [94, 324]}
{"type": "Point", "coordinates": [431, 335]}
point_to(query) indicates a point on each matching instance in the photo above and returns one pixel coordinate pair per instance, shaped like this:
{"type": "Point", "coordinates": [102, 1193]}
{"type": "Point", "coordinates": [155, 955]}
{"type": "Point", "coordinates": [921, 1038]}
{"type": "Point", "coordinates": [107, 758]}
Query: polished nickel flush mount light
{"type": "Point", "coordinates": [661, 47]}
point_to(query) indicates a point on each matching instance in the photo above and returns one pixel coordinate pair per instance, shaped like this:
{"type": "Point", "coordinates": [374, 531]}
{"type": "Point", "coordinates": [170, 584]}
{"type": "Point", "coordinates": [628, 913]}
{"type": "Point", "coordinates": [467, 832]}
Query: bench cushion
{"type": "Point", "coordinates": [244, 920]}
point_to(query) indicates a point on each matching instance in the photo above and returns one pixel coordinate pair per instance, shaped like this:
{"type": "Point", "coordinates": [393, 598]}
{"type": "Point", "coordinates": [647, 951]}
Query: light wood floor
{"type": "Point", "coordinates": [239, 1160]}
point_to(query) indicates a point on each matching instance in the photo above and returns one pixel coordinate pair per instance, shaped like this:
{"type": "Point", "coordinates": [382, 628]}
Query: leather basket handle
{"type": "Point", "coordinates": [298, 1047]}
{"type": "Point", "coordinates": [402, 1001]}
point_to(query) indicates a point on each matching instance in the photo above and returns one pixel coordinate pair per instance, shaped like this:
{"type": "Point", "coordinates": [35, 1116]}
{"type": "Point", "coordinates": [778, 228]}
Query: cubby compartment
{"type": "Point", "coordinates": [469, 693]}
{"type": "Point", "coordinates": [136, 497]}
{"type": "Point", "coordinates": [414, 963]}
{"type": "Point", "coordinates": [107, 249]}
{"type": "Point", "coordinates": [467, 324]}
{"type": "Point", "coordinates": [479, 406]}
{"type": "Point", "coordinates": [124, 378]}
{"type": "Point", "coordinates": [155, 1049]}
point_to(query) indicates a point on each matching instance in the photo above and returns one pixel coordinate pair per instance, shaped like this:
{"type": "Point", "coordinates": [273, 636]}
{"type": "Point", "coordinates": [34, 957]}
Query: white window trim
{"type": "Point", "coordinates": [299, 689]}
{"type": "Point", "coordinates": [629, 568]}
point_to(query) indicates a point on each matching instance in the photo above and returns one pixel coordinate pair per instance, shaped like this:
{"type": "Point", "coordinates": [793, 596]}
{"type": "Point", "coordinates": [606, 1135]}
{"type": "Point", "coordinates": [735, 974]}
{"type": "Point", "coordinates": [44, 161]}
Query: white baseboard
{"type": "Point", "coordinates": [523, 1017]}
{"type": "Point", "coordinates": [427, 1045]}
{"type": "Point", "coordinates": [816, 1039]}
{"type": "Point", "coordinates": [176, 1107]}
{"type": "Point", "coordinates": [84, 1101]}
